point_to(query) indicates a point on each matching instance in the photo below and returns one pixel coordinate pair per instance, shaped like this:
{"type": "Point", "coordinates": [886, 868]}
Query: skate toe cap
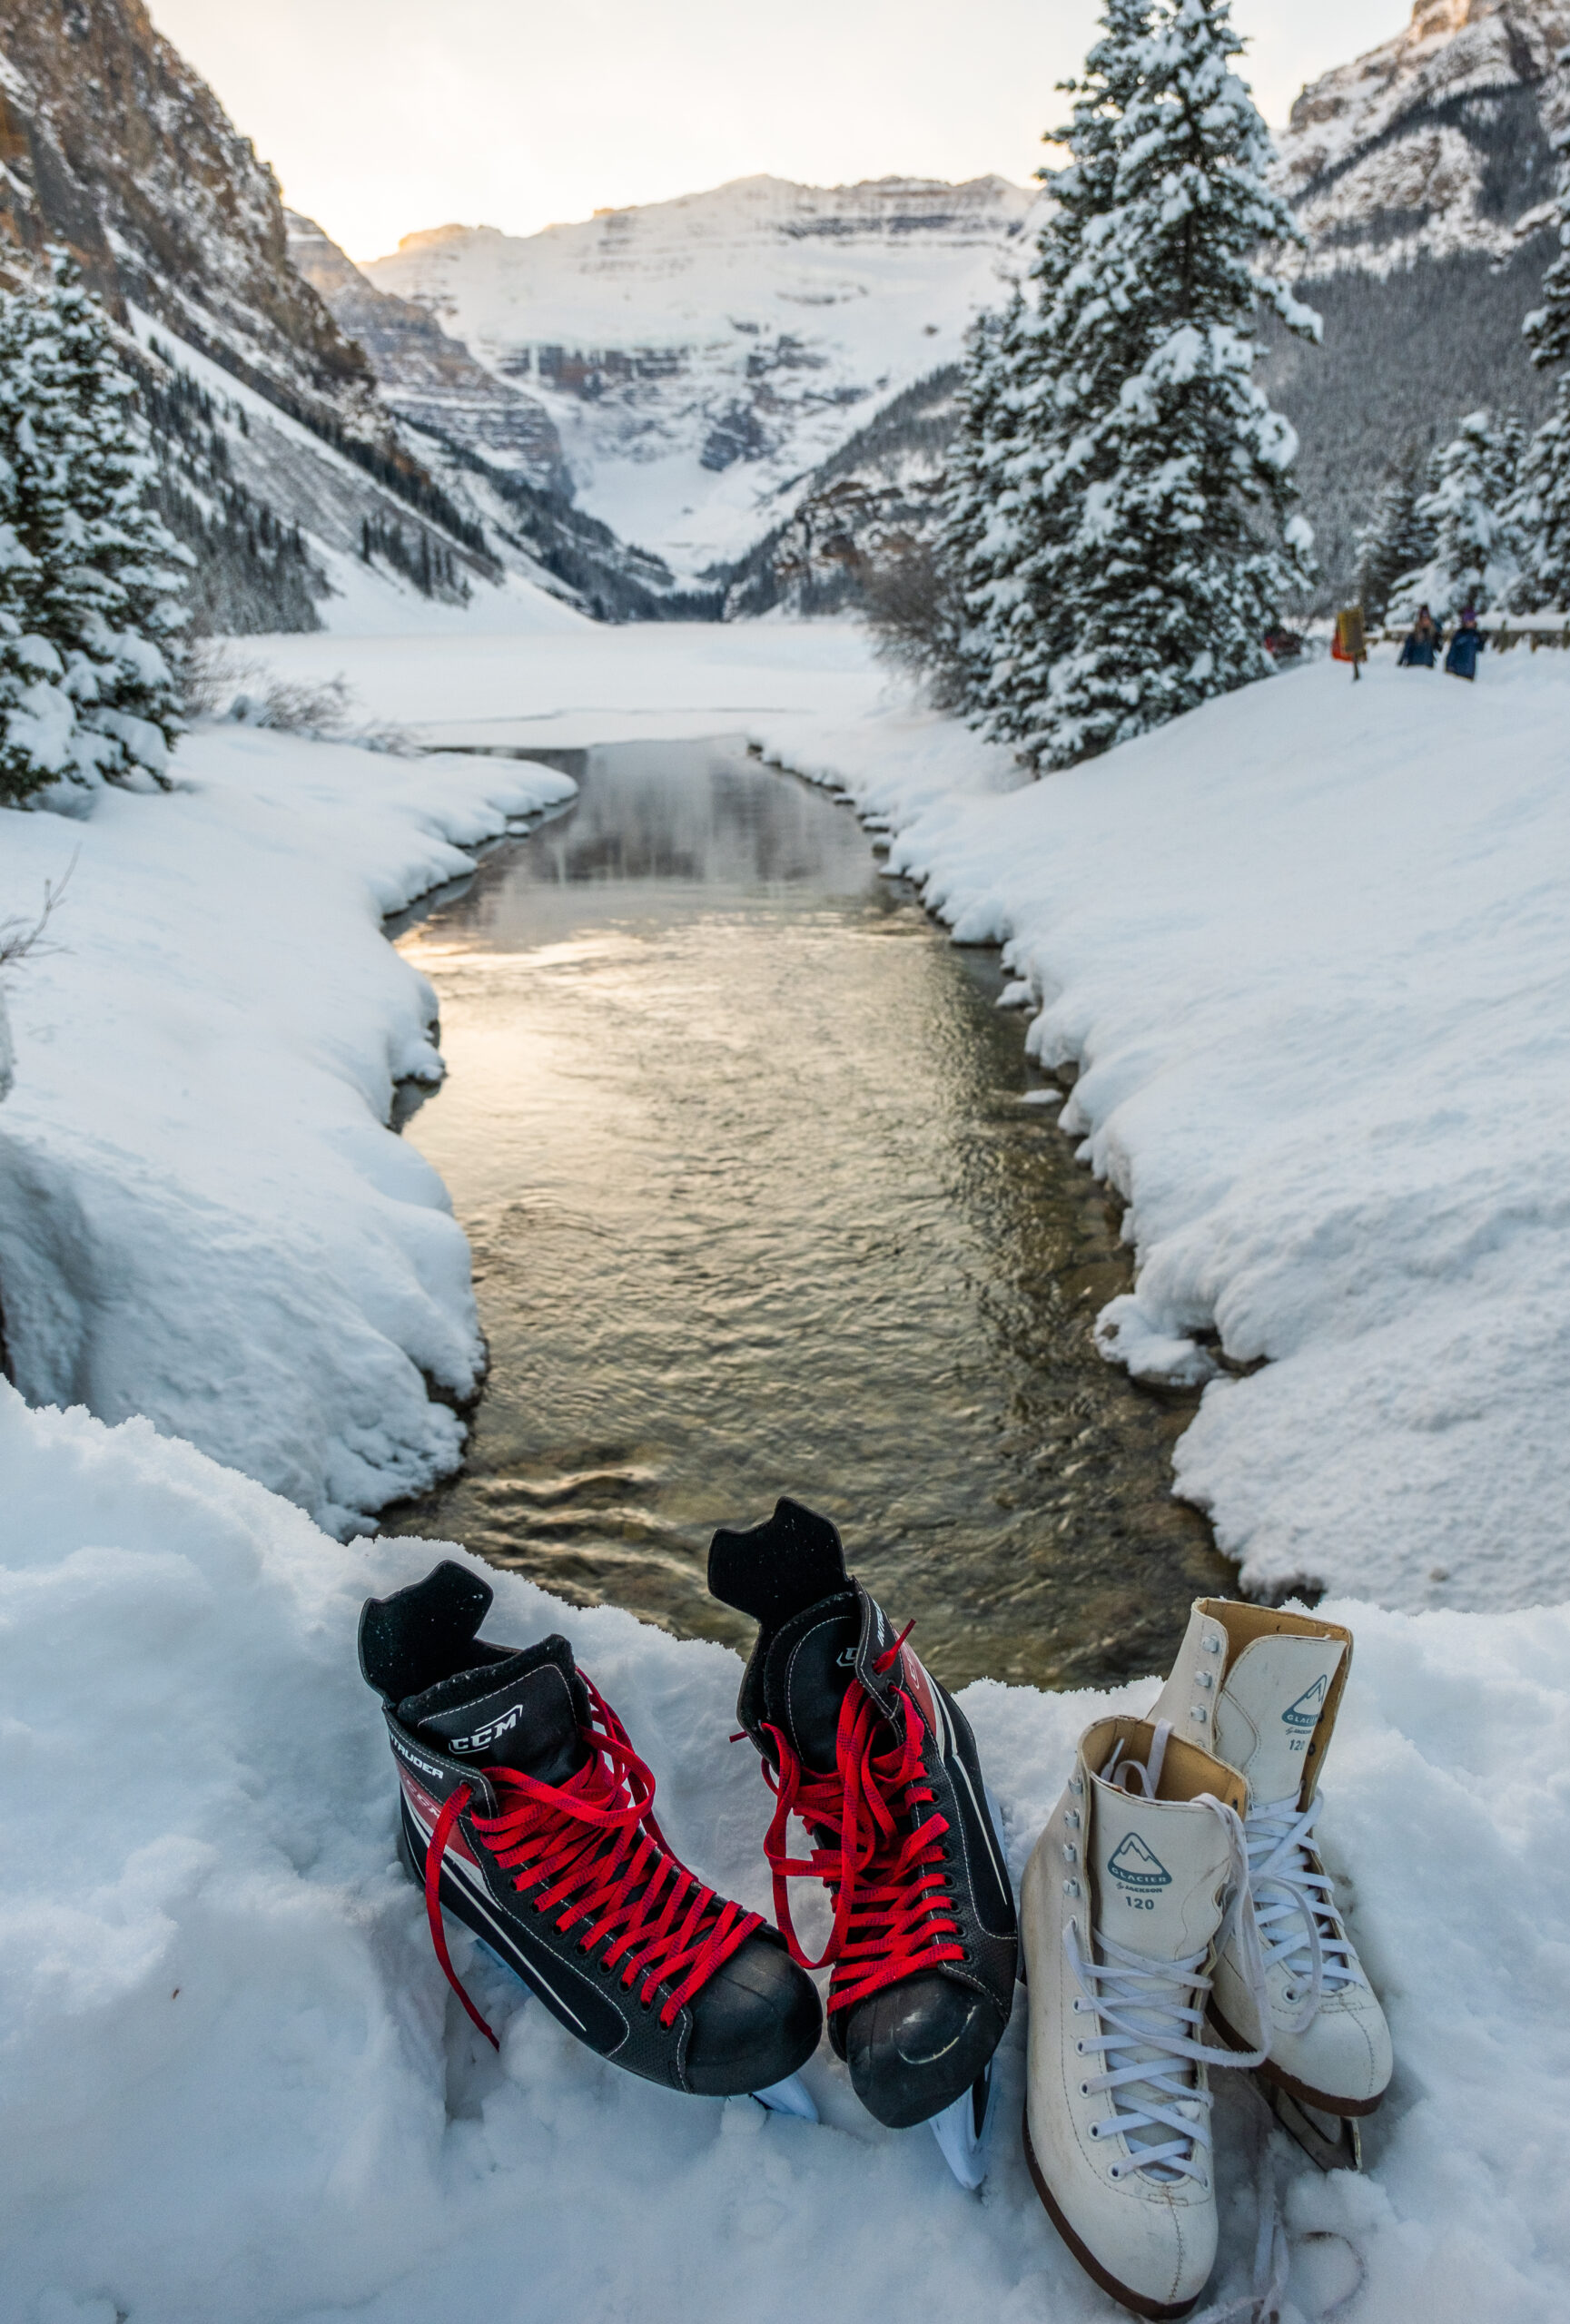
{"type": "Point", "coordinates": [914, 2048]}
{"type": "Point", "coordinates": [1343, 2063]}
{"type": "Point", "coordinates": [757, 2019]}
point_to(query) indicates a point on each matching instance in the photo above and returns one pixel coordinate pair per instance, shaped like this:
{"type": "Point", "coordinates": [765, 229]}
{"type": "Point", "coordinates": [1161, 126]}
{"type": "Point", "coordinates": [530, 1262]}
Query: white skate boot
{"type": "Point", "coordinates": [1124, 1898]}
{"type": "Point", "coordinates": [1261, 1689]}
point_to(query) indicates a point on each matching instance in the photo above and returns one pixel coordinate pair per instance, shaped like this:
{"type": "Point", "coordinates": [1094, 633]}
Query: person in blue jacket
{"type": "Point", "coordinates": [1461, 661]}
{"type": "Point", "coordinates": [1423, 641]}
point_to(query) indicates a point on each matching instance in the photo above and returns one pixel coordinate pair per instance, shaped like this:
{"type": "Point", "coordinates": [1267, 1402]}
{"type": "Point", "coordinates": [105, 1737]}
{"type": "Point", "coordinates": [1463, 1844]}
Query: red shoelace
{"type": "Point", "coordinates": [592, 1850]}
{"type": "Point", "coordinates": [884, 1869]}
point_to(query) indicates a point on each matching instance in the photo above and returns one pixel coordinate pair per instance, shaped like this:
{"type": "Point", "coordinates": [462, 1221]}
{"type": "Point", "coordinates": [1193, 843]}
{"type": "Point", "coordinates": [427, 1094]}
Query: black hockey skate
{"type": "Point", "coordinates": [876, 1761]}
{"type": "Point", "coordinates": [526, 1815]}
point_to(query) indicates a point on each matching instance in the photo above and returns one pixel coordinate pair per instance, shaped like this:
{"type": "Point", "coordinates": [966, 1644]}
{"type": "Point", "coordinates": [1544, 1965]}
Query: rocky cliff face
{"type": "Point", "coordinates": [1433, 144]}
{"type": "Point", "coordinates": [294, 479]}
{"type": "Point", "coordinates": [699, 357]}
{"type": "Point", "coordinates": [113, 145]}
{"type": "Point", "coordinates": [432, 381]}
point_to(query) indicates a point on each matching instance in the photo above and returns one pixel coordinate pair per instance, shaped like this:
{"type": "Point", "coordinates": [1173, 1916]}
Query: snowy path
{"type": "Point", "coordinates": [202, 1216]}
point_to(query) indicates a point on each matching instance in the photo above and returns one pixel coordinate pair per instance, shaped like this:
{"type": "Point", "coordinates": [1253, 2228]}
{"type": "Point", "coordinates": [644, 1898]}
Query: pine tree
{"type": "Point", "coordinates": [1396, 540]}
{"type": "Point", "coordinates": [1025, 386]}
{"type": "Point", "coordinates": [978, 546]}
{"type": "Point", "coordinates": [1162, 544]}
{"type": "Point", "coordinates": [38, 716]}
{"type": "Point", "coordinates": [1542, 505]}
{"type": "Point", "coordinates": [113, 598]}
{"type": "Point", "coordinates": [1468, 514]}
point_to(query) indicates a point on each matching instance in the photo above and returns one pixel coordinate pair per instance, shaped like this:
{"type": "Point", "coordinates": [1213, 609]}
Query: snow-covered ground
{"type": "Point", "coordinates": [234, 2086]}
{"type": "Point", "coordinates": [203, 1216]}
{"type": "Point", "coordinates": [1307, 945]}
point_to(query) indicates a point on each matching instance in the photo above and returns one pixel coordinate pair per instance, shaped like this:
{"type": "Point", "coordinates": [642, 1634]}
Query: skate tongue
{"type": "Point", "coordinates": [813, 1660]}
{"type": "Point", "coordinates": [1272, 1702]}
{"type": "Point", "coordinates": [1159, 1866]}
{"type": "Point", "coordinates": [523, 1712]}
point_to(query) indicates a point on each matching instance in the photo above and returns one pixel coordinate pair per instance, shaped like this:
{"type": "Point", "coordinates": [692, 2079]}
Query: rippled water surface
{"type": "Point", "coordinates": [759, 1205]}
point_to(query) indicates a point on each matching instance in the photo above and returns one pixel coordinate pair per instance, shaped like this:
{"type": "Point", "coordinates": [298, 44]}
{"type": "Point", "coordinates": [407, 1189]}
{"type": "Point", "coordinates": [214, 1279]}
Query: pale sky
{"type": "Point", "coordinates": [383, 117]}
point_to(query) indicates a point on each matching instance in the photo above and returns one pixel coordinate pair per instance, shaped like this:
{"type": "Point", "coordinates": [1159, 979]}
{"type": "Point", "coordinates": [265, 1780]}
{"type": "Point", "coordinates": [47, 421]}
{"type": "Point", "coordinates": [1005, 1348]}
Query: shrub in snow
{"type": "Point", "coordinates": [90, 580]}
{"type": "Point", "coordinates": [1469, 516]}
{"type": "Point", "coordinates": [1144, 538]}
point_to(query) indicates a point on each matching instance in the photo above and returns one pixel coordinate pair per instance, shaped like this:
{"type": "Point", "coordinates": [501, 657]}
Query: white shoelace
{"type": "Point", "coordinates": [1155, 2010]}
{"type": "Point", "coordinates": [1295, 1907]}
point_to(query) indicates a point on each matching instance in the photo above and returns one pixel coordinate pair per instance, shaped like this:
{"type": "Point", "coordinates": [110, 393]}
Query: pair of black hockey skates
{"type": "Point", "coordinates": [527, 1814]}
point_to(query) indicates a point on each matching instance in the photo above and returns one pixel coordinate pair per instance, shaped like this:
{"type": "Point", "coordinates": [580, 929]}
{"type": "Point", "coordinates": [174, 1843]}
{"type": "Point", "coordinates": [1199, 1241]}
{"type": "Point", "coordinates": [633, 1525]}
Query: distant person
{"type": "Point", "coordinates": [1423, 641]}
{"type": "Point", "coordinates": [1466, 643]}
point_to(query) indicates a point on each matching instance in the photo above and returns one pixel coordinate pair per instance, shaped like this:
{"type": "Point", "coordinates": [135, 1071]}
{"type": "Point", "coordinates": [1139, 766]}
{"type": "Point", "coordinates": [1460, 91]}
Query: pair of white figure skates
{"type": "Point", "coordinates": [1178, 1880]}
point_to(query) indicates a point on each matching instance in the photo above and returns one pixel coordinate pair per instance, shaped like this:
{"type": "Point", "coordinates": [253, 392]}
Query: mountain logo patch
{"type": "Point", "coordinates": [1305, 1711]}
{"type": "Point", "coordinates": [1136, 1865]}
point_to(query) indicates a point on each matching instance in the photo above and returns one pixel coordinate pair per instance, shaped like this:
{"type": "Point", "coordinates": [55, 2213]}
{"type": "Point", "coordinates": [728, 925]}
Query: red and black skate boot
{"type": "Point", "coordinates": [879, 1765]}
{"type": "Point", "coordinates": [526, 1815]}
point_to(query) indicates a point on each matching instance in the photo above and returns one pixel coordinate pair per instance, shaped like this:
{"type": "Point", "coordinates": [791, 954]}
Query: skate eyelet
{"type": "Point", "coordinates": [1085, 2086]}
{"type": "Point", "coordinates": [1078, 2046]}
{"type": "Point", "coordinates": [1115, 2172]}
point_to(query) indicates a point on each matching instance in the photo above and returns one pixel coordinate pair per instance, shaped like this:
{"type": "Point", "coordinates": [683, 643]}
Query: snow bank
{"type": "Point", "coordinates": [1308, 945]}
{"type": "Point", "coordinates": [202, 1216]}
{"type": "Point", "coordinates": [232, 2084]}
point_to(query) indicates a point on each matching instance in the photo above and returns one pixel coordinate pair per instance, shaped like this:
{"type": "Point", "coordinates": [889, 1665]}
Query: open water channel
{"type": "Point", "coordinates": [764, 1198]}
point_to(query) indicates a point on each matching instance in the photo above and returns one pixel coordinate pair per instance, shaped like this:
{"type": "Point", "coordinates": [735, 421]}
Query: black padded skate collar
{"type": "Point", "coordinates": [424, 1632]}
{"type": "Point", "coordinates": [779, 1567]}
{"type": "Point", "coordinates": [527, 1712]}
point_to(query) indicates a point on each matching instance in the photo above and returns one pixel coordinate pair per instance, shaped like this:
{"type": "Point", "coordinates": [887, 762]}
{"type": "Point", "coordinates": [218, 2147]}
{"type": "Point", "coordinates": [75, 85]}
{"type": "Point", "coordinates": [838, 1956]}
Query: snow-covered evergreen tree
{"type": "Point", "coordinates": [38, 716]}
{"type": "Point", "coordinates": [1469, 514]}
{"type": "Point", "coordinates": [1396, 540]}
{"type": "Point", "coordinates": [97, 581]}
{"type": "Point", "coordinates": [978, 546]}
{"type": "Point", "coordinates": [1542, 508]}
{"type": "Point", "coordinates": [1158, 532]}
{"type": "Point", "coordinates": [1026, 382]}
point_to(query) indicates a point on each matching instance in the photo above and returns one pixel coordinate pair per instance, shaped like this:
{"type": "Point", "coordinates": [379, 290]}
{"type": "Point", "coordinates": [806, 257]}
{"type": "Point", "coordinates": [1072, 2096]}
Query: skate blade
{"type": "Point", "coordinates": [963, 2131]}
{"type": "Point", "coordinates": [790, 2096]}
{"type": "Point", "coordinates": [1335, 2142]}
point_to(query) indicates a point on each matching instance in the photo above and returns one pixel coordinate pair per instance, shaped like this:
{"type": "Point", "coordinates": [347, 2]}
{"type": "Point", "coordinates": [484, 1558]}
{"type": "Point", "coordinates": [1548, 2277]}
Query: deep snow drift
{"type": "Point", "coordinates": [202, 1215]}
{"type": "Point", "coordinates": [235, 2085]}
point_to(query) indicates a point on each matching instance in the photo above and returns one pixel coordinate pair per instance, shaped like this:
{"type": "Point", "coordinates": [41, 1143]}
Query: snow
{"type": "Point", "coordinates": [203, 1217]}
{"type": "Point", "coordinates": [234, 2083]}
{"type": "Point", "coordinates": [800, 307]}
{"type": "Point", "coordinates": [1307, 945]}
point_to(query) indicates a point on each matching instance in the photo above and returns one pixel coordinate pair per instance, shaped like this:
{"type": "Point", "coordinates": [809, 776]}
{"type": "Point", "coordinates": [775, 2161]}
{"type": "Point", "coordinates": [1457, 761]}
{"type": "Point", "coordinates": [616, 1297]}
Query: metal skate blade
{"type": "Point", "coordinates": [790, 2096]}
{"type": "Point", "coordinates": [1335, 2142]}
{"type": "Point", "coordinates": [963, 2131]}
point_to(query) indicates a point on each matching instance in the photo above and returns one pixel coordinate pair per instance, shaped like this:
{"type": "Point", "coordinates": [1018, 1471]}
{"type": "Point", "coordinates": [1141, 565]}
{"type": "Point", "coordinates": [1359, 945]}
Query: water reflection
{"type": "Point", "coordinates": [755, 1207]}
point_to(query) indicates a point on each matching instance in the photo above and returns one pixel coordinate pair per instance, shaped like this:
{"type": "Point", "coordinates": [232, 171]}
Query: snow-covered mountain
{"type": "Point", "coordinates": [432, 381]}
{"type": "Point", "coordinates": [299, 483]}
{"type": "Point", "coordinates": [699, 357]}
{"type": "Point", "coordinates": [1433, 144]}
